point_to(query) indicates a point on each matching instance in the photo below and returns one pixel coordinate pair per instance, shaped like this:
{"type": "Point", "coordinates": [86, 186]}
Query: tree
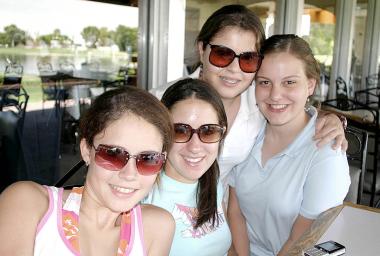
{"type": "Point", "coordinates": [14, 35]}
{"type": "Point", "coordinates": [105, 37]}
{"type": "Point", "coordinates": [125, 36]}
{"type": "Point", "coordinates": [56, 35]}
{"type": "Point", "coordinates": [90, 35]}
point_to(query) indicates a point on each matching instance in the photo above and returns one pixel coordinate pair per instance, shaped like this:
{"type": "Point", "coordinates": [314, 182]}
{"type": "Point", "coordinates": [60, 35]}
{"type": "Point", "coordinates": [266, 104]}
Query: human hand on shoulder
{"type": "Point", "coordinates": [329, 127]}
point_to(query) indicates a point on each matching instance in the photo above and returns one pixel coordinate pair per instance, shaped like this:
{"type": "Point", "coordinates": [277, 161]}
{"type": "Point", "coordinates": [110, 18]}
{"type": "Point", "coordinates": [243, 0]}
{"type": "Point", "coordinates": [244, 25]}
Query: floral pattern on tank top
{"type": "Point", "coordinates": [70, 220]}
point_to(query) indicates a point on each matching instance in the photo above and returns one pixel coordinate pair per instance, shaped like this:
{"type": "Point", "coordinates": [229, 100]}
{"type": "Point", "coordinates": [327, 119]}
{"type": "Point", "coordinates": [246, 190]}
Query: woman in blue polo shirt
{"type": "Point", "coordinates": [286, 181]}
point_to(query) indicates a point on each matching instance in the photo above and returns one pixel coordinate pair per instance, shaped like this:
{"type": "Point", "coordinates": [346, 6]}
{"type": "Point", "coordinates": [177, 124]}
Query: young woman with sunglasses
{"type": "Point", "coordinates": [229, 49]}
{"type": "Point", "coordinates": [189, 186]}
{"type": "Point", "coordinates": [124, 139]}
{"type": "Point", "coordinates": [286, 181]}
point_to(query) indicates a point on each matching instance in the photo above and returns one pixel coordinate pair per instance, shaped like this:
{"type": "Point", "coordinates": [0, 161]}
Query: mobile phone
{"type": "Point", "coordinates": [330, 248]}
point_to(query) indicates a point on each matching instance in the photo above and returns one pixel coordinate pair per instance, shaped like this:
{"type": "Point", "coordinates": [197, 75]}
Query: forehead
{"type": "Point", "coordinates": [194, 112]}
{"type": "Point", "coordinates": [236, 38]}
{"type": "Point", "coordinates": [281, 63]}
{"type": "Point", "coordinates": [133, 133]}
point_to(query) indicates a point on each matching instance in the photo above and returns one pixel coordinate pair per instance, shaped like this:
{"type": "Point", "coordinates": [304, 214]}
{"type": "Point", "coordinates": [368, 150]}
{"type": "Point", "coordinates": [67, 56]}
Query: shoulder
{"type": "Point", "coordinates": [25, 195]}
{"type": "Point", "coordinates": [25, 191]}
{"type": "Point", "coordinates": [22, 206]}
{"type": "Point", "coordinates": [158, 226]}
{"type": "Point", "coordinates": [156, 216]}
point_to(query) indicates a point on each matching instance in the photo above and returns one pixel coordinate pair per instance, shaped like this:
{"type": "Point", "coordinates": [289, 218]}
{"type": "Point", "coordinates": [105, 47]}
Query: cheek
{"type": "Point", "coordinates": [174, 151]}
{"type": "Point", "coordinates": [261, 93]}
{"type": "Point", "coordinates": [213, 150]}
{"type": "Point", "coordinates": [148, 181]}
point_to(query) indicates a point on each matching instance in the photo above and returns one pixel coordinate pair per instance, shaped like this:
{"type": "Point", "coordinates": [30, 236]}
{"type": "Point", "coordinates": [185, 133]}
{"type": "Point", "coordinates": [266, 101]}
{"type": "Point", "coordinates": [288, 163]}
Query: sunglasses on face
{"type": "Point", "coordinates": [221, 56]}
{"type": "Point", "coordinates": [207, 133]}
{"type": "Point", "coordinates": [114, 158]}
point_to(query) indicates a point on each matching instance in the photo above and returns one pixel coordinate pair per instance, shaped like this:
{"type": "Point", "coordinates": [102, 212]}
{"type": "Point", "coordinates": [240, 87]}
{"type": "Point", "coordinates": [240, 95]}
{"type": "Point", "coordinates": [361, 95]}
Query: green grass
{"type": "Point", "coordinates": [32, 85]}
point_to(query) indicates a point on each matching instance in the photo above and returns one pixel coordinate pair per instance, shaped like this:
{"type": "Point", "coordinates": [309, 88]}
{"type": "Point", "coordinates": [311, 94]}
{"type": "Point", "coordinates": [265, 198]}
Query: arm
{"type": "Point", "coordinates": [236, 220]}
{"type": "Point", "coordinates": [329, 127]}
{"type": "Point", "coordinates": [300, 225]}
{"type": "Point", "coordinates": [22, 205]}
{"type": "Point", "coordinates": [159, 227]}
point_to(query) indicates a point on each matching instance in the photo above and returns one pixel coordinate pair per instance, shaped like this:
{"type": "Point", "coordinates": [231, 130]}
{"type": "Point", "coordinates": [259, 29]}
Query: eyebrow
{"type": "Point", "coordinates": [287, 77]}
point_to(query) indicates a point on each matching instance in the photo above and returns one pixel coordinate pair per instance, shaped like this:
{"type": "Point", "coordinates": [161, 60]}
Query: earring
{"type": "Point", "coordinates": [307, 105]}
{"type": "Point", "coordinates": [87, 164]}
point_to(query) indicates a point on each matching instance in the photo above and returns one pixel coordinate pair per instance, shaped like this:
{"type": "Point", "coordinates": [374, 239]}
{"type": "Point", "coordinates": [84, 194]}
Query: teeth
{"type": "Point", "coordinates": [231, 81]}
{"type": "Point", "coordinates": [123, 190]}
{"type": "Point", "coordinates": [278, 106]}
{"type": "Point", "coordinates": [193, 160]}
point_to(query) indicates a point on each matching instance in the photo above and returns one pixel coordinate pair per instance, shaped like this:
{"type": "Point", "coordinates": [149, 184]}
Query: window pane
{"type": "Point", "coordinates": [318, 29]}
{"type": "Point", "coordinates": [95, 39]}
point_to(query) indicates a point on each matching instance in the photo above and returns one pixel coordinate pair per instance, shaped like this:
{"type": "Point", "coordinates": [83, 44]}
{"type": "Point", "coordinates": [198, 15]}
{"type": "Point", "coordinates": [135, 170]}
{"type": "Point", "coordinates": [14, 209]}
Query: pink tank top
{"type": "Point", "coordinates": [58, 232]}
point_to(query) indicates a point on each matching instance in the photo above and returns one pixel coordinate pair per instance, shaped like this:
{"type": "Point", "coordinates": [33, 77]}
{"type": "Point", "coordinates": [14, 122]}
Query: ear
{"type": "Point", "coordinates": [85, 151]}
{"type": "Point", "coordinates": [311, 86]}
{"type": "Point", "coordinates": [201, 51]}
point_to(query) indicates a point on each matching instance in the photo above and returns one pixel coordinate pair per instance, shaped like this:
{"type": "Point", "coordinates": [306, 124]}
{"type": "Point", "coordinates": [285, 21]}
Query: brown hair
{"type": "Point", "coordinates": [232, 16]}
{"type": "Point", "coordinates": [299, 48]}
{"type": "Point", "coordinates": [207, 187]}
{"type": "Point", "coordinates": [111, 105]}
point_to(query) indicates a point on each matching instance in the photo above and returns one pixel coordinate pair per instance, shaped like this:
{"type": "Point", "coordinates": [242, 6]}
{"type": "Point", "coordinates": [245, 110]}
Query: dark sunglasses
{"type": "Point", "coordinates": [207, 133]}
{"type": "Point", "coordinates": [222, 56]}
{"type": "Point", "coordinates": [114, 158]}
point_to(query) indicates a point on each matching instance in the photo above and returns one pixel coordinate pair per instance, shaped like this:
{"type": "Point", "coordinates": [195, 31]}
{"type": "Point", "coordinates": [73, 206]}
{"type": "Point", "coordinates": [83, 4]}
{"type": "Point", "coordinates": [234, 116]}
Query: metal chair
{"type": "Point", "coordinates": [366, 118]}
{"type": "Point", "coordinates": [48, 83]}
{"type": "Point", "coordinates": [357, 157]}
{"type": "Point", "coordinates": [15, 101]}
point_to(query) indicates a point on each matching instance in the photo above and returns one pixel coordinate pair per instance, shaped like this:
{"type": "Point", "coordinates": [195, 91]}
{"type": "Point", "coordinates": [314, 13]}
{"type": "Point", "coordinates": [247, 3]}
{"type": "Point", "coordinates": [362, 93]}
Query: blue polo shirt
{"type": "Point", "coordinates": [301, 179]}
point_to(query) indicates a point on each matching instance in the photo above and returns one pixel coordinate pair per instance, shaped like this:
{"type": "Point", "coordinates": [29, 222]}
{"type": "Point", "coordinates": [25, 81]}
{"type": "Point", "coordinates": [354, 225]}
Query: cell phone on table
{"type": "Point", "coordinates": [330, 248]}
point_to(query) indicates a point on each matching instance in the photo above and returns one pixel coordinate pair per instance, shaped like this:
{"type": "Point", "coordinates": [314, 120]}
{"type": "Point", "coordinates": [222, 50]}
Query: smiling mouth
{"type": "Point", "coordinates": [277, 106]}
{"type": "Point", "coordinates": [123, 190]}
{"type": "Point", "coordinates": [229, 80]}
{"type": "Point", "coordinates": [193, 160]}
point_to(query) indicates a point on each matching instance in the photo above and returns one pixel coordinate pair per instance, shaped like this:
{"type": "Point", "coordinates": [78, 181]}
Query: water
{"type": "Point", "coordinates": [95, 60]}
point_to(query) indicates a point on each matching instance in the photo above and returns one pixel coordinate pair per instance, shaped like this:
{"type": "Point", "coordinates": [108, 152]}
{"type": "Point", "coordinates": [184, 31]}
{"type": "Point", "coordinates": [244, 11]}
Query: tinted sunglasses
{"type": "Point", "coordinates": [207, 133]}
{"type": "Point", "coordinates": [222, 56]}
{"type": "Point", "coordinates": [114, 158]}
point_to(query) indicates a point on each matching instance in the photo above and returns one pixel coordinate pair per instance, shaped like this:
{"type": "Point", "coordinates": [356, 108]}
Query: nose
{"type": "Point", "coordinates": [275, 92]}
{"type": "Point", "coordinates": [129, 171]}
{"type": "Point", "coordinates": [234, 65]}
{"type": "Point", "coordinates": [194, 144]}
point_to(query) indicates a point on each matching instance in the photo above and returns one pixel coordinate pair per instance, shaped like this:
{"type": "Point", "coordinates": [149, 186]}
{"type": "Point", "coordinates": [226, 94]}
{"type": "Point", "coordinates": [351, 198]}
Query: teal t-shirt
{"type": "Point", "coordinates": [180, 200]}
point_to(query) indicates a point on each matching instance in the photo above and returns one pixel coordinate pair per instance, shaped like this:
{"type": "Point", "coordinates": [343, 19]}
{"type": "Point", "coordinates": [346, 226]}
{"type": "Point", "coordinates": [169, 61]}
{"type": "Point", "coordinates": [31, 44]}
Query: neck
{"type": "Point", "coordinates": [231, 106]}
{"type": "Point", "coordinates": [285, 134]}
{"type": "Point", "coordinates": [100, 216]}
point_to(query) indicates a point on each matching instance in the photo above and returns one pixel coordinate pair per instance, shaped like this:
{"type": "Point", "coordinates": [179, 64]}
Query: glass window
{"type": "Point", "coordinates": [95, 40]}
{"type": "Point", "coordinates": [318, 29]}
{"type": "Point", "coordinates": [360, 22]}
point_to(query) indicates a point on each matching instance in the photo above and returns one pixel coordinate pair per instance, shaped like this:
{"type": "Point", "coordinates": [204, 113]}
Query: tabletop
{"type": "Point", "coordinates": [321, 230]}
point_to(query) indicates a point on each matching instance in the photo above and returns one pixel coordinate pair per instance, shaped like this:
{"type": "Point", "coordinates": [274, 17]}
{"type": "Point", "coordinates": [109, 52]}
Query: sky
{"type": "Point", "coordinates": [39, 17]}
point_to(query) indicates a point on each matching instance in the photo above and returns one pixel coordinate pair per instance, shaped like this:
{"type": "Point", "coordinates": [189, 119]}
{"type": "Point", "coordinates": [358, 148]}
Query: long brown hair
{"type": "Point", "coordinates": [207, 186]}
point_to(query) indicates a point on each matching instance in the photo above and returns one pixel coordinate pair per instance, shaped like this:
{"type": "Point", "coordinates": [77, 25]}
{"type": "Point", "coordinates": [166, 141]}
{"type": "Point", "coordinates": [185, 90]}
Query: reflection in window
{"type": "Point", "coordinates": [91, 38]}
{"type": "Point", "coordinates": [358, 44]}
{"type": "Point", "coordinates": [318, 28]}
